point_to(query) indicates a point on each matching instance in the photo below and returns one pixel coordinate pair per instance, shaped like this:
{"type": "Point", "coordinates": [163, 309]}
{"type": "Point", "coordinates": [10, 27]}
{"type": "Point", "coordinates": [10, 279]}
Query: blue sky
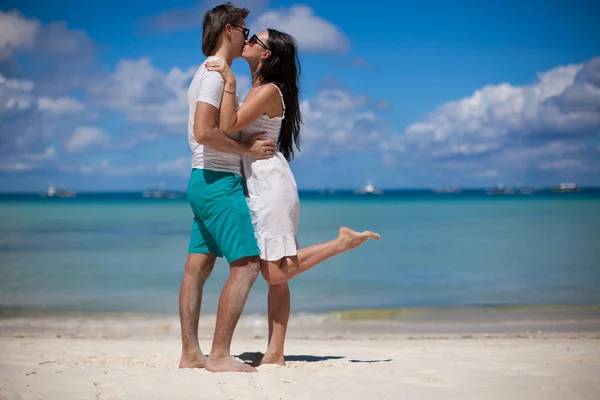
{"type": "Point", "coordinates": [93, 94]}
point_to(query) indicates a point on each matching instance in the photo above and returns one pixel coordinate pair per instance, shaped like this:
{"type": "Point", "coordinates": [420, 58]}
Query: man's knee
{"type": "Point", "coordinates": [200, 265]}
{"type": "Point", "coordinates": [247, 267]}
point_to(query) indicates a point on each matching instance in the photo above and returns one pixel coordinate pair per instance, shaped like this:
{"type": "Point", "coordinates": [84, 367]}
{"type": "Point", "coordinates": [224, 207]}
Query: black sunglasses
{"type": "Point", "coordinates": [246, 31]}
{"type": "Point", "coordinates": [255, 38]}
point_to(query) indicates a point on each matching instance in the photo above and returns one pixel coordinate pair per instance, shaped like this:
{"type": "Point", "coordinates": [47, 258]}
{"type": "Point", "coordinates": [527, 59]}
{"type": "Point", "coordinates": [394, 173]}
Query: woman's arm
{"type": "Point", "coordinates": [232, 120]}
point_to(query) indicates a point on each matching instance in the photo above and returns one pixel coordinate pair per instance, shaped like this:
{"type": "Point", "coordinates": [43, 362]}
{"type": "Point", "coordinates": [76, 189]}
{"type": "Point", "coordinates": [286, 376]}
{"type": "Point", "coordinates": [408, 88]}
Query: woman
{"type": "Point", "coordinates": [272, 106]}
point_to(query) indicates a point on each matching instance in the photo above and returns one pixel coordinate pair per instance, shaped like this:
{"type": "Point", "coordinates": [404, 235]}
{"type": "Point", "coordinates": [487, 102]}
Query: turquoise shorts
{"type": "Point", "coordinates": [222, 224]}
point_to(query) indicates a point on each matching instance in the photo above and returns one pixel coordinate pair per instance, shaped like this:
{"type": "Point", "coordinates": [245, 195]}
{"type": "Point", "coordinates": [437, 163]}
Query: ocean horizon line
{"type": "Point", "coordinates": [321, 191]}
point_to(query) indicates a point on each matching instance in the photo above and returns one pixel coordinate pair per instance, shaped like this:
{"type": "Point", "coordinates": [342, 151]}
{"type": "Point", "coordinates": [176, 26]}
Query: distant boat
{"type": "Point", "coordinates": [369, 189]}
{"type": "Point", "coordinates": [53, 191]}
{"type": "Point", "coordinates": [566, 188]}
{"type": "Point", "coordinates": [501, 190]}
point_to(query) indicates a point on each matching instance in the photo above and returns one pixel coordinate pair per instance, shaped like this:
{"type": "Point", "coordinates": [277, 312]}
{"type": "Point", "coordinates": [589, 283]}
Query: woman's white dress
{"type": "Point", "coordinates": [272, 195]}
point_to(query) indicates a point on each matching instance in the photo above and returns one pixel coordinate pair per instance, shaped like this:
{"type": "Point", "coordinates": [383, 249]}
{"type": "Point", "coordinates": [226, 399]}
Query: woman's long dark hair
{"type": "Point", "coordinates": [282, 68]}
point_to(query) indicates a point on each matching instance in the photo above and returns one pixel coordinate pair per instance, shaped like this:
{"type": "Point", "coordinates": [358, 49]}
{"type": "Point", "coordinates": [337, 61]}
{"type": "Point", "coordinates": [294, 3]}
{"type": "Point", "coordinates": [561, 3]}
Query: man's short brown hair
{"type": "Point", "coordinates": [214, 23]}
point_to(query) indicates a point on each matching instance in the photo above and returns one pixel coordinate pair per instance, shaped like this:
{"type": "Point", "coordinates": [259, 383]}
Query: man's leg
{"type": "Point", "coordinates": [279, 307]}
{"type": "Point", "coordinates": [228, 221]}
{"type": "Point", "coordinates": [243, 273]}
{"type": "Point", "coordinates": [197, 270]}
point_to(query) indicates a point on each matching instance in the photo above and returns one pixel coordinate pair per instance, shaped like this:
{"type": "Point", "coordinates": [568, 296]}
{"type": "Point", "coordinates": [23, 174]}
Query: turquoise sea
{"type": "Point", "coordinates": [123, 252]}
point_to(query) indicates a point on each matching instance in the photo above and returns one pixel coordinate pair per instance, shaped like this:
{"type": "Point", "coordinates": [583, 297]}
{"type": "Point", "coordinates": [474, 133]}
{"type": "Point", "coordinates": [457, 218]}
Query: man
{"type": "Point", "coordinates": [222, 225]}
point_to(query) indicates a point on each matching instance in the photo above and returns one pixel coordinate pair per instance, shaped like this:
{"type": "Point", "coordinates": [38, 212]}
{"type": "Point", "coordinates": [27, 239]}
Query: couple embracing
{"type": "Point", "coordinates": [245, 147]}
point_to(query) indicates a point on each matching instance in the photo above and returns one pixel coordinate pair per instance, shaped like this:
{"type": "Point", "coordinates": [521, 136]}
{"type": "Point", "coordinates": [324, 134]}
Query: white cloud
{"type": "Point", "coordinates": [86, 138]}
{"type": "Point", "coordinates": [507, 127]}
{"type": "Point", "coordinates": [145, 94]}
{"type": "Point", "coordinates": [61, 105]}
{"type": "Point", "coordinates": [16, 32]}
{"type": "Point", "coordinates": [18, 103]}
{"type": "Point", "coordinates": [47, 154]}
{"type": "Point", "coordinates": [393, 143]}
{"type": "Point", "coordinates": [15, 95]}
{"type": "Point", "coordinates": [103, 167]}
{"type": "Point", "coordinates": [39, 111]}
{"type": "Point", "coordinates": [31, 121]}
{"type": "Point", "coordinates": [564, 147]}
{"type": "Point", "coordinates": [40, 67]}
{"type": "Point", "coordinates": [179, 166]}
{"type": "Point", "coordinates": [312, 33]}
{"type": "Point", "coordinates": [17, 167]}
{"type": "Point", "coordinates": [29, 161]}
{"type": "Point", "coordinates": [503, 110]}
{"type": "Point", "coordinates": [567, 163]}
{"type": "Point", "coordinates": [67, 55]}
{"type": "Point", "coordinates": [22, 85]}
{"type": "Point", "coordinates": [337, 119]}
{"type": "Point", "coordinates": [338, 100]}
{"type": "Point", "coordinates": [58, 41]}
{"type": "Point", "coordinates": [42, 109]}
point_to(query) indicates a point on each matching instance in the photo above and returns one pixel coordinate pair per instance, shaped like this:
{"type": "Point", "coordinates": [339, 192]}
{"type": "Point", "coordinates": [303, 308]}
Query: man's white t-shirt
{"type": "Point", "coordinates": [207, 86]}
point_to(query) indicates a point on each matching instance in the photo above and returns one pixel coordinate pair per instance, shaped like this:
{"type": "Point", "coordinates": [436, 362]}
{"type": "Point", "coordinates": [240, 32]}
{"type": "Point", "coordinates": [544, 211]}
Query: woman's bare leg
{"type": "Point", "coordinates": [279, 314]}
{"type": "Point", "coordinates": [277, 272]}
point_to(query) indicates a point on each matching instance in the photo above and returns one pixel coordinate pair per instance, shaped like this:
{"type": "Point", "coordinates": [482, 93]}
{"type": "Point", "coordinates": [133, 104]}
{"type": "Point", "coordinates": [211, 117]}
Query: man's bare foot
{"type": "Point", "coordinates": [277, 359]}
{"type": "Point", "coordinates": [193, 361]}
{"type": "Point", "coordinates": [228, 364]}
{"type": "Point", "coordinates": [350, 239]}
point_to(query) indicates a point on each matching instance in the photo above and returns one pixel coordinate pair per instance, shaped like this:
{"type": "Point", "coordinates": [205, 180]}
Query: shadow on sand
{"type": "Point", "coordinates": [255, 357]}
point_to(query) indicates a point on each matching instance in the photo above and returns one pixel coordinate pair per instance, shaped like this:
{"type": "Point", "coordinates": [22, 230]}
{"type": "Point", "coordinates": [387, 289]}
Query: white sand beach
{"type": "Point", "coordinates": [133, 357]}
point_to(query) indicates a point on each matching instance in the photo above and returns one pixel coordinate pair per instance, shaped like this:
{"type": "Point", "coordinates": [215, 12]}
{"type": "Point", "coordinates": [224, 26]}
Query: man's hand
{"type": "Point", "coordinates": [260, 148]}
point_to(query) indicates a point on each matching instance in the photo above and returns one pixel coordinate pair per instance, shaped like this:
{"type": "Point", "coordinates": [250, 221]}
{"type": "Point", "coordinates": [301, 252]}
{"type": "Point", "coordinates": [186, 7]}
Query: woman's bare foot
{"type": "Point", "coordinates": [228, 364]}
{"type": "Point", "coordinates": [277, 359]}
{"type": "Point", "coordinates": [193, 361]}
{"type": "Point", "coordinates": [350, 239]}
